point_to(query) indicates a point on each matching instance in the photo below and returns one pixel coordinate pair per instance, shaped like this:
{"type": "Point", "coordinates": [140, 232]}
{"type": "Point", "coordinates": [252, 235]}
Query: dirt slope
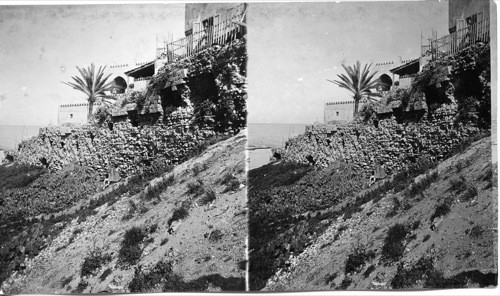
{"type": "Point", "coordinates": [210, 242]}
{"type": "Point", "coordinates": [444, 235]}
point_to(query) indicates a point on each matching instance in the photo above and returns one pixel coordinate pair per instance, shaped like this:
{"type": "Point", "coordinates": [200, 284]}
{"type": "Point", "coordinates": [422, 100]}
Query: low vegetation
{"type": "Point", "coordinates": [82, 285]}
{"type": "Point", "coordinates": [93, 262]}
{"type": "Point", "coordinates": [161, 278]}
{"type": "Point", "coordinates": [154, 191]}
{"type": "Point", "coordinates": [357, 259]}
{"type": "Point", "coordinates": [394, 243]}
{"type": "Point", "coordinates": [130, 248]}
{"type": "Point", "coordinates": [179, 213]}
{"type": "Point", "coordinates": [424, 271]}
{"type": "Point", "coordinates": [208, 197]}
{"type": "Point", "coordinates": [195, 187]}
{"type": "Point", "coordinates": [230, 182]}
{"type": "Point", "coordinates": [441, 210]}
{"type": "Point", "coordinates": [19, 175]}
{"type": "Point", "coordinates": [424, 183]}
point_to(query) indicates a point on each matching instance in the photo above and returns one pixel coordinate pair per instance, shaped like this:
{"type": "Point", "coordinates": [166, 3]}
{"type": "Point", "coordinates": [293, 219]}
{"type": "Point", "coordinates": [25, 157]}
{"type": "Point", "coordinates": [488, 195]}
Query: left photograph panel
{"type": "Point", "coordinates": [122, 148]}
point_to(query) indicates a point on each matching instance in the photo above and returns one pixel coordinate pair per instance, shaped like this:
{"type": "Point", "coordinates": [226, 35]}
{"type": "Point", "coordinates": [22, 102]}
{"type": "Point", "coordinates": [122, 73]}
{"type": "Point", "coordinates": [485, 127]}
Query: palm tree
{"type": "Point", "coordinates": [358, 82]}
{"type": "Point", "coordinates": [94, 86]}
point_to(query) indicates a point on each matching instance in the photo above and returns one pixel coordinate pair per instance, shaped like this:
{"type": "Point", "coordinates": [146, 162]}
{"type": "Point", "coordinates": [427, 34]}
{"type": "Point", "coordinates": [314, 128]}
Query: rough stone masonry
{"type": "Point", "coordinates": [125, 148]}
{"type": "Point", "coordinates": [391, 144]}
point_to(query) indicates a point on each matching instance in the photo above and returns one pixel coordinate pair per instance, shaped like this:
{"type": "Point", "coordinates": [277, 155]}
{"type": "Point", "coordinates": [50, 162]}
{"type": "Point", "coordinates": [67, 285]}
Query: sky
{"type": "Point", "coordinates": [41, 45]}
{"type": "Point", "coordinates": [295, 47]}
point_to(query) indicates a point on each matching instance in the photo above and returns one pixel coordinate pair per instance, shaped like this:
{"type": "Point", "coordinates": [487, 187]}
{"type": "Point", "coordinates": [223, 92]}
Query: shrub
{"type": "Point", "coordinates": [394, 247]}
{"type": "Point", "coordinates": [215, 236]}
{"type": "Point", "coordinates": [368, 271]}
{"type": "Point", "coordinates": [423, 184]}
{"type": "Point", "coordinates": [19, 175]}
{"type": "Point", "coordinates": [105, 274]}
{"type": "Point", "coordinates": [102, 115]}
{"type": "Point", "coordinates": [196, 187]}
{"type": "Point", "coordinates": [476, 231]}
{"type": "Point", "coordinates": [208, 197]}
{"type": "Point", "coordinates": [357, 259]}
{"type": "Point", "coordinates": [65, 281]}
{"type": "Point", "coordinates": [82, 285]}
{"type": "Point", "coordinates": [367, 112]}
{"type": "Point", "coordinates": [197, 168]}
{"type": "Point", "coordinates": [441, 210]}
{"type": "Point", "coordinates": [130, 250]}
{"type": "Point", "coordinates": [179, 213]}
{"type": "Point", "coordinates": [231, 182]}
{"type": "Point", "coordinates": [470, 193]}
{"type": "Point", "coordinates": [405, 278]}
{"type": "Point", "coordinates": [161, 277]}
{"type": "Point", "coordinates": [395, 207]}
{"type": "Point", "coordinates": [153, 228]}
{"type": "Point", "coordinates": [346, 282]}
{"type": "Point", "coordinates": [155, 190]}
{"type": "Point", "coordinates": [93, 262]}
{"type": "Point", "coordinates": [458, 184]}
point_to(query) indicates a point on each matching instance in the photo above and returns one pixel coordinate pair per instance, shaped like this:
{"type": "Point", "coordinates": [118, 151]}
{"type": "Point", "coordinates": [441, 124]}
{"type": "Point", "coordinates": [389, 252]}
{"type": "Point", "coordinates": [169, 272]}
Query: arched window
{"type": "Point", "coordinates": [384, 82]}
{"type": "Point", "coordinates": [120, 85]}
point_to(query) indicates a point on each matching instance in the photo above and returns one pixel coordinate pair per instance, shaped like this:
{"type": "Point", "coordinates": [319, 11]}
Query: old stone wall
{"type": "Point", "coordinates": [390, 145]}
{"type": "Point", "coordinates": [125, 148]}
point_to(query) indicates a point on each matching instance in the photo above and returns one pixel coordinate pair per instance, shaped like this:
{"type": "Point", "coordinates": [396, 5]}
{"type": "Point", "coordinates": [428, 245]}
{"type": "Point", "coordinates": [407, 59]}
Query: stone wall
{"type": "Point", "coordinates": [125, 148]}
{"type": "Point", "coordinates": [391, 144]}
{"type": "Point", "coordinates": [169, 121]}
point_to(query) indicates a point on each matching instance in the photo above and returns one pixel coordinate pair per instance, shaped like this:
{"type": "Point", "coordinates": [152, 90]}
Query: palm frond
{"type": "Point", "coordinates": [93, 83]}
{"type": "Point", "coordinates": [359, 80]}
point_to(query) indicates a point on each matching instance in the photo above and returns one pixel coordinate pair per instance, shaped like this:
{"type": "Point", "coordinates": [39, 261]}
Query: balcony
{"type": "Point", "coordinates": [219, 34]}
{"type": "Point", "coordinates": [458, 40]}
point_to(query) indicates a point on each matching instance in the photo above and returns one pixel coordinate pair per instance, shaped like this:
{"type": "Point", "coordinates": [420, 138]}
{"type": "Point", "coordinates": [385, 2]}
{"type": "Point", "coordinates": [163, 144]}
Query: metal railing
{"type": "Point", "coordinates": [221, 33]}
{"type": "Point", "coordinates": [458, 40]}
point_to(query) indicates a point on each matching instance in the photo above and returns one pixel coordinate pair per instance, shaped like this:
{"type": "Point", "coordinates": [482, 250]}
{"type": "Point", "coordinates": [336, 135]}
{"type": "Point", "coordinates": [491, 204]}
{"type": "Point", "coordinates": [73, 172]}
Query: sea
{"type": "Point", "coordinates": [262, 137]}
{"type": "Point", "coordinates": [12, 135]}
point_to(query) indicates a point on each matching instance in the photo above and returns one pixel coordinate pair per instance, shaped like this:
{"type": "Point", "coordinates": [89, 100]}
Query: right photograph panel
{"type": "Point", "coordinates": [370, 146]}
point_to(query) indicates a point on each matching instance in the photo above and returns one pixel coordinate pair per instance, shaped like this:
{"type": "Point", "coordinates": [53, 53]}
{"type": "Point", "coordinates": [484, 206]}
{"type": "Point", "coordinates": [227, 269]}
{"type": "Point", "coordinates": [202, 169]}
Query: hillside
{"type": "Point", "coordinates": [182, 231]}
{"type": "Point", "coordinates": [439, 231]}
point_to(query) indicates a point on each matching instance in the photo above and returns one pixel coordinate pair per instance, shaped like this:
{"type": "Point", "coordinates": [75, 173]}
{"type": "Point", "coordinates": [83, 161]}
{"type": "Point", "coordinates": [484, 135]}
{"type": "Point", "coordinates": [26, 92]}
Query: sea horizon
{"type": "Point", "coordinates": [12, 135]}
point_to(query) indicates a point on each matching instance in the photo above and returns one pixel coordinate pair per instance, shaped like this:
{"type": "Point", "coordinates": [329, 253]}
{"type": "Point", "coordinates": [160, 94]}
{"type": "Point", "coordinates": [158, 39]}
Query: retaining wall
{"type": "Point", "coordinates": [391, 144]}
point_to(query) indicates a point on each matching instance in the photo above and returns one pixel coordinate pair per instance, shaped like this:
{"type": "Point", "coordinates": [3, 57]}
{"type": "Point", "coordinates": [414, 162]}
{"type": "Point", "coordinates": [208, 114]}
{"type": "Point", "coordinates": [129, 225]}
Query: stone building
{"type": "Point", "coordinates": [338, 112]}
{"type": "Point", "coordinates": [74, 114]}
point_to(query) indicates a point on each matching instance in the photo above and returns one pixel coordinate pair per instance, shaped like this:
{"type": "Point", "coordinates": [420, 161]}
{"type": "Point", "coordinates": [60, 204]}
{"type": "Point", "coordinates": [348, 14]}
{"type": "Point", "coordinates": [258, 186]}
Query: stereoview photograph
{"type": "Point", "coordinates": [377, 118]}
{"type": "Point", "coordinates": [122, 136]}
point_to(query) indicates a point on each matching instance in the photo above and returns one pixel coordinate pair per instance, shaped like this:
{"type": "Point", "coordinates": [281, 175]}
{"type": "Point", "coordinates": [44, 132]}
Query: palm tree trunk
{"type": "Point", "coordinates": [356, 103]}
{"type": "Point", "coordinates": [89, 115]}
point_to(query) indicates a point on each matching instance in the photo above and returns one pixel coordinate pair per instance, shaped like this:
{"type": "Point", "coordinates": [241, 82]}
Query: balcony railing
{"type": "Point", "coordinates": [458, 40]}
{"type": "Point", "coordinates": [221, 33]}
